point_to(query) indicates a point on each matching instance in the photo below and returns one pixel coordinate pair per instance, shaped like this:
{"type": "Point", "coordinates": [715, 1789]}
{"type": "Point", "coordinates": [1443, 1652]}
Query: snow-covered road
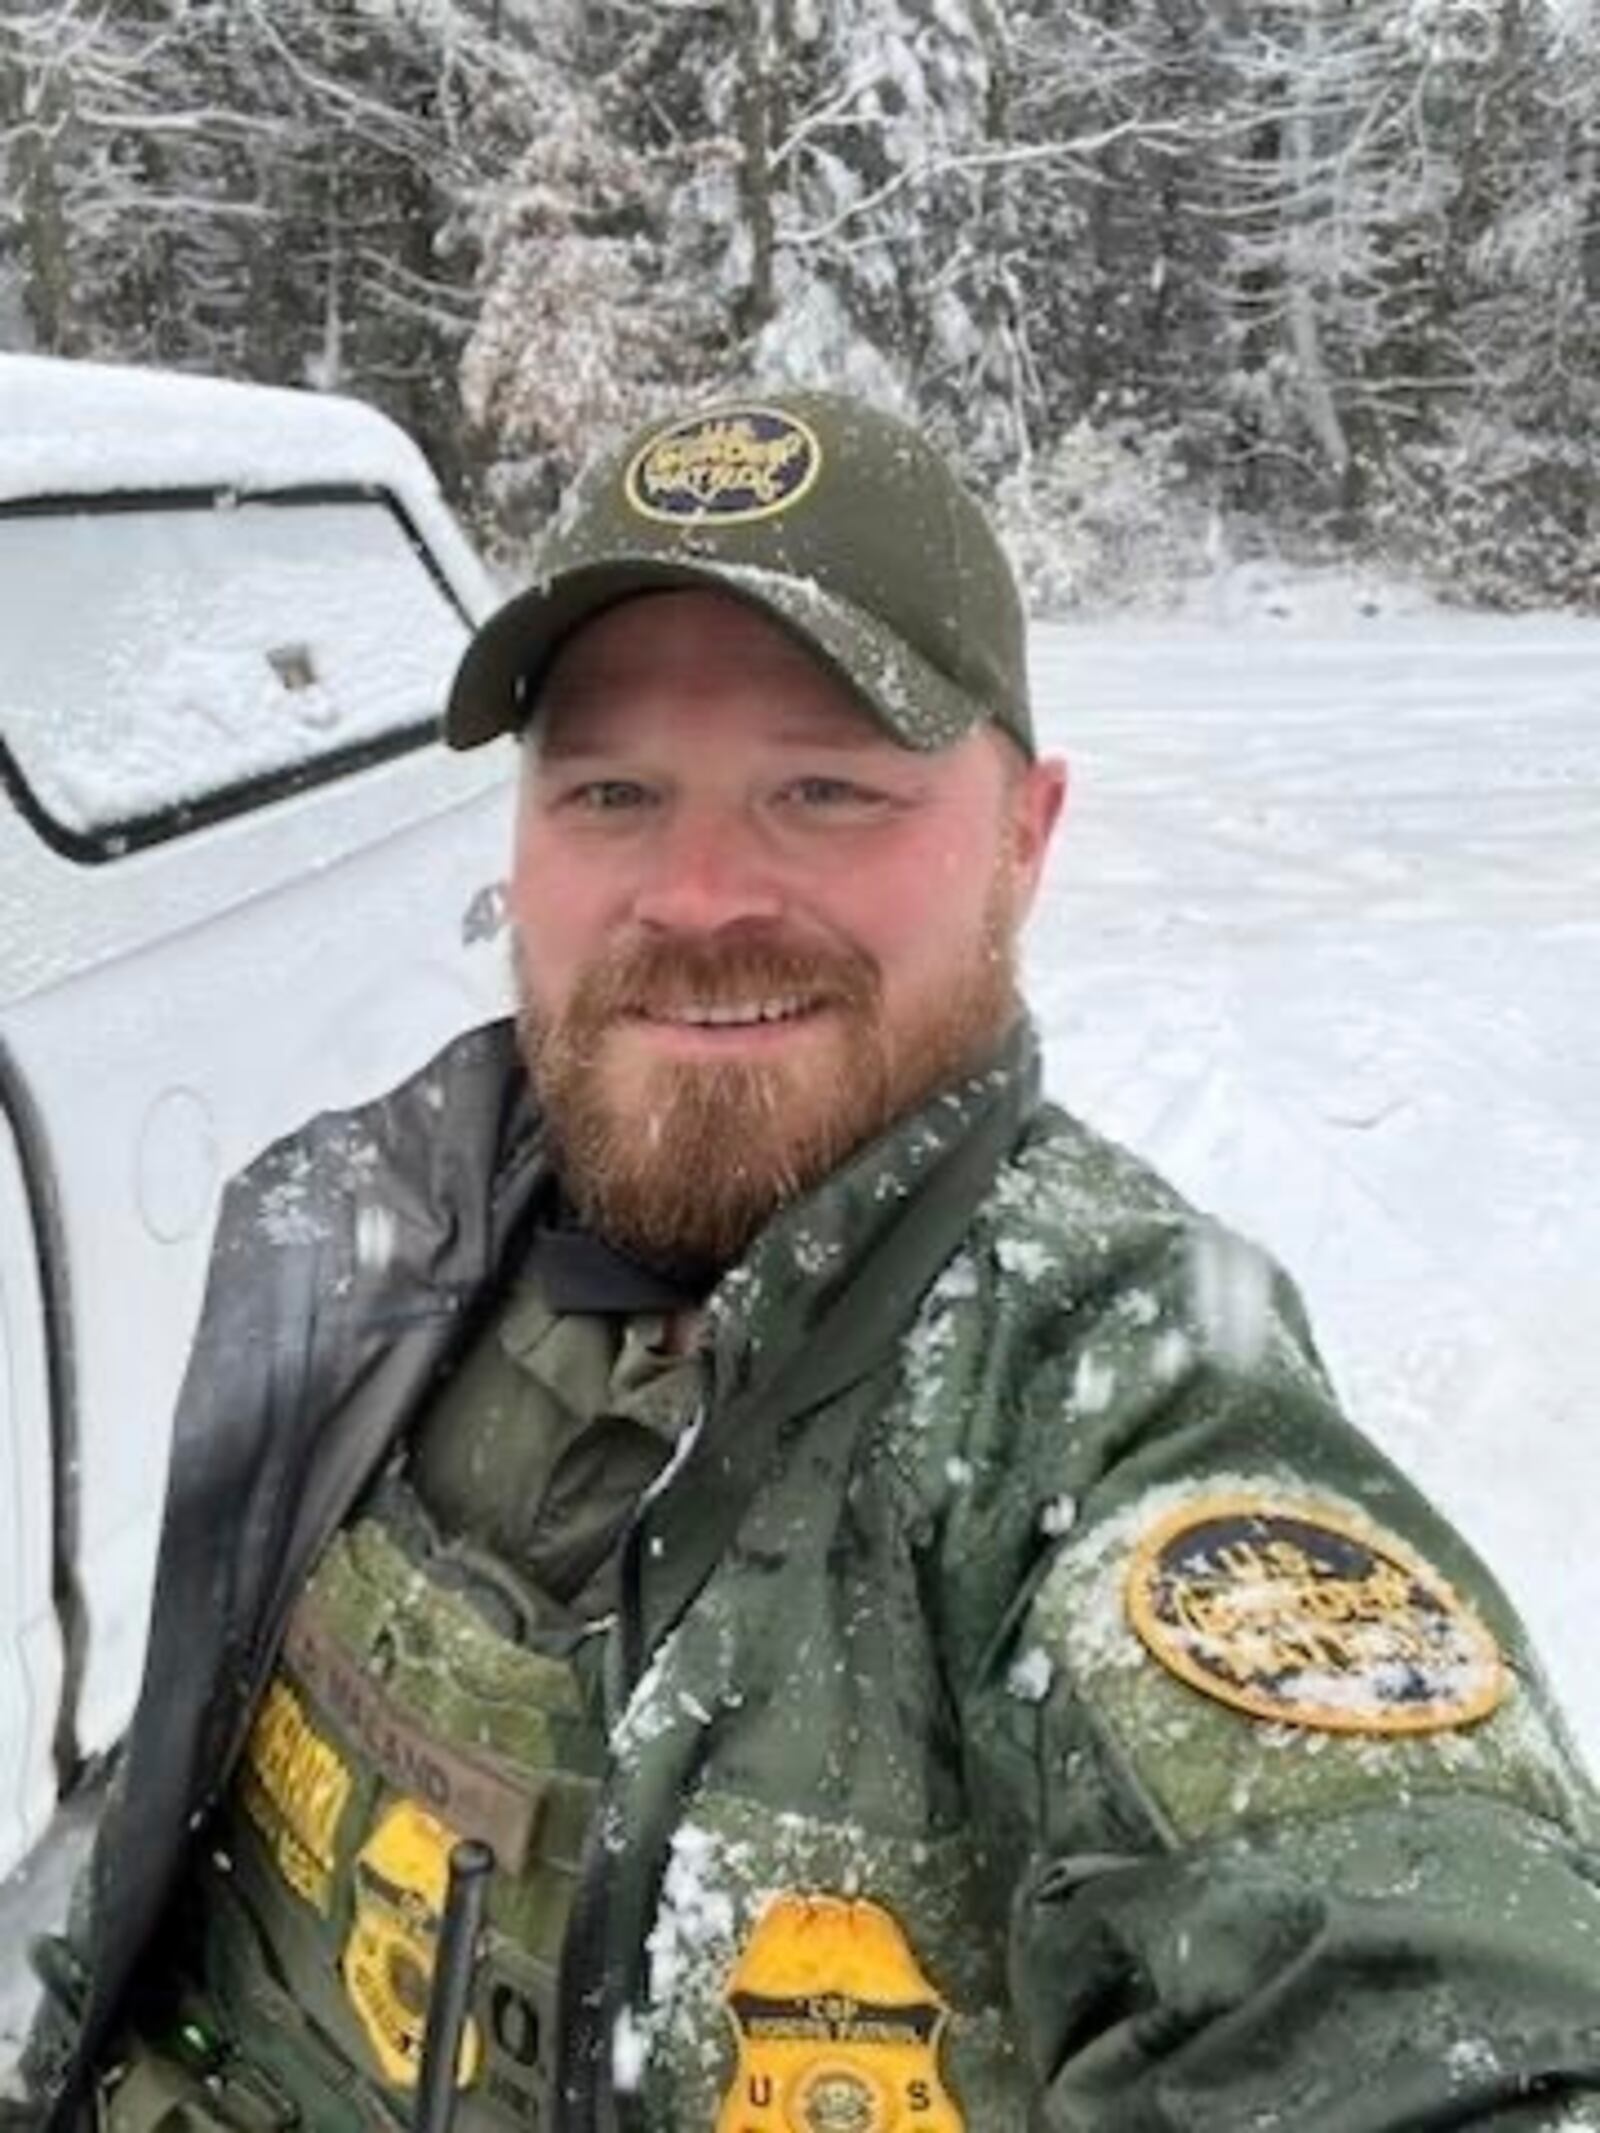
{"type": "Point", "coordinates": [1322, 937]}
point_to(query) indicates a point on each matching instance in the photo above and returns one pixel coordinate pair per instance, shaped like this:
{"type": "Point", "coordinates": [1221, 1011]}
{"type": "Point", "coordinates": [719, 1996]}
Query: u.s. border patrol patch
{"type": "Point", "coordinates": [737, 464]}
{"type": "Point", "coordinates": [838, 2029]}
{"type": "Point", "coordinates": [1306, 1618]}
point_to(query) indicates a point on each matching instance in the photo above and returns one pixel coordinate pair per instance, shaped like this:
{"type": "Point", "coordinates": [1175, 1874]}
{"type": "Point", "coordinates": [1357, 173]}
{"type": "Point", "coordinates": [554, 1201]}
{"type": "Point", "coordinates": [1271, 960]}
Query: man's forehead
{"type": "Point", "coordinates": [683, 626]}
{"type": "Point", "coordinates": [692, 652]}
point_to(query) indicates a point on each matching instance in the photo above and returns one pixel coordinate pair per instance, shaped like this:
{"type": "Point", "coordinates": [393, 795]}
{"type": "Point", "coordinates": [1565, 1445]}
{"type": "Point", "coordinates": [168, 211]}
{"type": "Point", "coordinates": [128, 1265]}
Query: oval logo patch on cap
{"type": "Point", "coordinates": [1306, 1619]}
{"type": "Point", "coordinates": [731, 466]}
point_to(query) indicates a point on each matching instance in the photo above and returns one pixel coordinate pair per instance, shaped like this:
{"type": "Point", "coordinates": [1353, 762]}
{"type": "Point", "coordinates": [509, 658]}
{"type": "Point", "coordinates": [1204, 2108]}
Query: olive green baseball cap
{"type": "Point", "coordinates": [836, 519]}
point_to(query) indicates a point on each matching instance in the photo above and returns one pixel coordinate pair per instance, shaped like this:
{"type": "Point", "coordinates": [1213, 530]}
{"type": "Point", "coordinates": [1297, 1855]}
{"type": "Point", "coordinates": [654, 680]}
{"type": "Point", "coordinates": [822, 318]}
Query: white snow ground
{"type": "Point", "coordinates": [1322, 937]}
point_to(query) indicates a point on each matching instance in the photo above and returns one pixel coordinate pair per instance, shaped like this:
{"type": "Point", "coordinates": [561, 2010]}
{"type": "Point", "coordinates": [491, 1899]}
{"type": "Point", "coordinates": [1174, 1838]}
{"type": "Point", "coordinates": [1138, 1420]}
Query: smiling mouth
{"type": "Point", "coordinates": [752, 1014]}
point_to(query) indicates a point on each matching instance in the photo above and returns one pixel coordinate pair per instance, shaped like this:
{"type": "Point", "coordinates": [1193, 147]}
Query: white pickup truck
{"type": "Point", "coordinates": [240, 882]}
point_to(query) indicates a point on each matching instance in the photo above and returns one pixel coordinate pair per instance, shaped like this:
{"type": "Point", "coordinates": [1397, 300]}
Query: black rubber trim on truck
{"type": "Point", "coordinates": [101, 847]}
{"type": "Point", "coordinates": [20, 1113]}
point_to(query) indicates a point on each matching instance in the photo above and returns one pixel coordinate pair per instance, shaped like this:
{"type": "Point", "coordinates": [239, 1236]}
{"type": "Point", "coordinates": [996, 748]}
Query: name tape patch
{"type": "Point", "coordinates": [1308, 1619]}
{"type": "Point", "coordinates": [730, 467]}
{"type": "Point", "coordinates": [837, 2027]}
{"type": "Point", "coordinates": [474, 1798]}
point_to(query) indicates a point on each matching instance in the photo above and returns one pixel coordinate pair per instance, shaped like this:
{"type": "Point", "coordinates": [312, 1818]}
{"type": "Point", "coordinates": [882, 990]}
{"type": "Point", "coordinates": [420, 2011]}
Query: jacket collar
{"type": "Point", "coordinates": [916, 1177]}
{"type": "Point", "coordinates": [825, 1293]}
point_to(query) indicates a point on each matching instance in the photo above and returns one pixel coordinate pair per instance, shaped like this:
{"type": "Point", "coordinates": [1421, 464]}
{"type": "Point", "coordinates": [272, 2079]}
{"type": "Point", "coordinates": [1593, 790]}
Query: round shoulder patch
{"type": "Point", "coordinates": [737, 464]}
{"type": "Point", "coordinates": [1308, 1619]}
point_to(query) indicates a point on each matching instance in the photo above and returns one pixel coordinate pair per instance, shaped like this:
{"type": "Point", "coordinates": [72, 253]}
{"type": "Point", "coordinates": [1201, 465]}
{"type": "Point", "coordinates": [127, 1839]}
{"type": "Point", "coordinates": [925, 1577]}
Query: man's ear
{"type": "Point", "coordinates": [1036, 796]}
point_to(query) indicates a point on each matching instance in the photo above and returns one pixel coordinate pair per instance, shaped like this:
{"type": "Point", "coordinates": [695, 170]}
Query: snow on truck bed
{"type": "Point", "coordinates": [69, 429]}
{"type": "Point", "coordinates": [252, 638]}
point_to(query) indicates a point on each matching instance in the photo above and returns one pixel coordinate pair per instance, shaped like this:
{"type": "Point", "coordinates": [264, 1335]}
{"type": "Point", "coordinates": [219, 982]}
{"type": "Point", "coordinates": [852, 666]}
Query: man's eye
{"type": "Point", "coordinates": [825, 793]}
{"type": "Point", "coordinates": [609, 796]}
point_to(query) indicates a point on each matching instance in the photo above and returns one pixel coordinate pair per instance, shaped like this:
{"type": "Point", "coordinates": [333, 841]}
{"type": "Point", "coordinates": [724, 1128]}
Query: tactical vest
{"type": "Point", "coordinates": [439, 1680]}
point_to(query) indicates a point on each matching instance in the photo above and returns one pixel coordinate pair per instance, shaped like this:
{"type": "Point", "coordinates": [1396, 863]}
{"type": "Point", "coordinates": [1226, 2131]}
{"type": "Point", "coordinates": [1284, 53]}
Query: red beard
{"type": "Point", "coordinates": [682, 1162]}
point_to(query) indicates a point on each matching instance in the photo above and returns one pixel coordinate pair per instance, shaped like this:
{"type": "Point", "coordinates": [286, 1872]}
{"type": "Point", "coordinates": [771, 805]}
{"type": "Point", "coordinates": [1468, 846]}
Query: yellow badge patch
{"type": "Point", "coordinates": [294, 1786]}
{"type": "Point", "coordinates": [401, 1874]}
{"type": "Point", "coordinates": [838, 2029]}
{"type": "Point", "coordinates": [739, 464]}
{"type": "Point", "coordinates": [1309, 1619]}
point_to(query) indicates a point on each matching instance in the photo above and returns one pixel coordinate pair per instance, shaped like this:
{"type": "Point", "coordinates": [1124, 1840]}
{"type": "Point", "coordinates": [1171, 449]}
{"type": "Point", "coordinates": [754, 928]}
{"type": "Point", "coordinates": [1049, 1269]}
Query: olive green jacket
{"type": "Point", "coordinates": [1022, 1644]}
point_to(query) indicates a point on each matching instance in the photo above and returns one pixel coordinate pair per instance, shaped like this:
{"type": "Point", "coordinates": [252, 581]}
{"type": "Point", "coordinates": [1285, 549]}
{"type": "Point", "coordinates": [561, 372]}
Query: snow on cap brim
{"type": "Point", "coordinates": [497, 686]}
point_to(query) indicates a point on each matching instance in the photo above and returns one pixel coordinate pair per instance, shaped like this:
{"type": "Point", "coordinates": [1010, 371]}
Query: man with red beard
{"type": "Point", "coordinates": [774, 930]}
{"type": "Point", "coordinates": [782, 1563]}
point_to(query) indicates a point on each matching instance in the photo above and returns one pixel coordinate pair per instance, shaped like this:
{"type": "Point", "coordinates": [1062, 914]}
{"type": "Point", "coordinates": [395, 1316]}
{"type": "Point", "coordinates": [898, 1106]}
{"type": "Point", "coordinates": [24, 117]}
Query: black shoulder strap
{"type": "Point", "coordinates": [821, 1387]}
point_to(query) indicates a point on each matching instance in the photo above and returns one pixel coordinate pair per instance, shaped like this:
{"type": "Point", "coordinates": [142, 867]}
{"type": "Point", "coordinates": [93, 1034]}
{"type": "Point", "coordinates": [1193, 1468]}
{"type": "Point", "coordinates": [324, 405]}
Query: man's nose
{"type": "Point", "coordinates": [709, 869]}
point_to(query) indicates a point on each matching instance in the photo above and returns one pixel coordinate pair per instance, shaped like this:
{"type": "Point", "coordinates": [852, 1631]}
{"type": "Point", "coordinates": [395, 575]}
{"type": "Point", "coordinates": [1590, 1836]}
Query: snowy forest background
{"type": "Point", "coordinates": [1179, 279]}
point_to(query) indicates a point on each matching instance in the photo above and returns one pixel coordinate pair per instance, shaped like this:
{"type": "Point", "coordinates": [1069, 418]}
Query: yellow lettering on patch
{"type": "Point", "coordinates": [401, 1874]}
{"type": "Point", "coordinates": [728, 467]}
{"type": "Point", "coordinates": [838, 2029]}
{"type": "Point", "coordinates": [294, 1787]}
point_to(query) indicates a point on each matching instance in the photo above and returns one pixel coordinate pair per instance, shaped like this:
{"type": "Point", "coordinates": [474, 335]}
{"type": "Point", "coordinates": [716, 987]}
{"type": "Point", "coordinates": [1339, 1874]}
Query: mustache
{"type": "Point", "coordinates": [661, 977]}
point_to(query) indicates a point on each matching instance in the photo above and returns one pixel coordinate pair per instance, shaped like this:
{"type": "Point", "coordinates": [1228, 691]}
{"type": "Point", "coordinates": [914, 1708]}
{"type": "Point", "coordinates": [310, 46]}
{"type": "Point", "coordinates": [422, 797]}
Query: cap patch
{"type": "Point", "coordinates": [739, 464]}
{"type": "Point", "coordinates": [1306, 1619]}
{"type": "Point", "coordinates": [838, 2028]}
